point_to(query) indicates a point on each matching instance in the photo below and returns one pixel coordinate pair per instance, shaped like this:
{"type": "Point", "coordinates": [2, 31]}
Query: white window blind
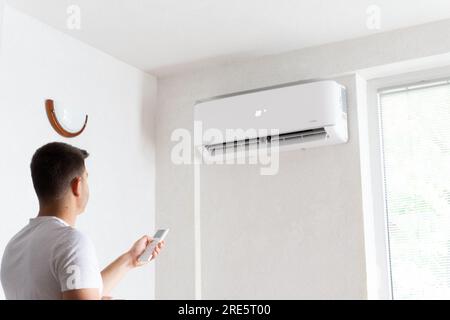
{"type": "Point", "coordinates": [415, 132]}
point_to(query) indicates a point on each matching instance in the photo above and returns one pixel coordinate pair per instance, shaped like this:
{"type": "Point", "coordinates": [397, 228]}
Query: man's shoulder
{"type": "Point", "coordinates": [73, 237]}
{"type": "Point", "coordinates": [72, 246]}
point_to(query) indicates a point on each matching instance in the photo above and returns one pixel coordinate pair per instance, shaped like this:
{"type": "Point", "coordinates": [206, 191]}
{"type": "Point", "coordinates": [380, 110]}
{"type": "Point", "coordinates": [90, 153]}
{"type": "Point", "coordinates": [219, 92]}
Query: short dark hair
{"type": "Point", "coordinates": [53, 167]}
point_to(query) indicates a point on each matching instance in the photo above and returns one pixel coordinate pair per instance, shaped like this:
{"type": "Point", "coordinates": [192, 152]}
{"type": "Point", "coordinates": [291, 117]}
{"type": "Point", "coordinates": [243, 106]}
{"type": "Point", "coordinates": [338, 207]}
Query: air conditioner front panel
{"type": "Point", "coordinates": [286, 109]}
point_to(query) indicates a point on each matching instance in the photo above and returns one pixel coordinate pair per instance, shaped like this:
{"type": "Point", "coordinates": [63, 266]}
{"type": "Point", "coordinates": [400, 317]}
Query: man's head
{"type": "Point", "coordinates": [59, 175]}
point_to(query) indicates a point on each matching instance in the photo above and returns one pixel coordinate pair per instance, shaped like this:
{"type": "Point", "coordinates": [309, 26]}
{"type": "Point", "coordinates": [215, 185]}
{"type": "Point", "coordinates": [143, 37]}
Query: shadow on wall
{"type": "Point", "coordinates": [147, 111]}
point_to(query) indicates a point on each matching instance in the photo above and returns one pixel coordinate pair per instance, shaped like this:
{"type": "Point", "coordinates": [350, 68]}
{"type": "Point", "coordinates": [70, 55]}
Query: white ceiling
{"type": "Point", "coordinates": [167, 36]}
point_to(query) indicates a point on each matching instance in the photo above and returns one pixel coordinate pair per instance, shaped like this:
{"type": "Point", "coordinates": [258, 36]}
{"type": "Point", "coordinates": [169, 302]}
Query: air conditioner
{"type": "Point", "coordinates": [302, 115]}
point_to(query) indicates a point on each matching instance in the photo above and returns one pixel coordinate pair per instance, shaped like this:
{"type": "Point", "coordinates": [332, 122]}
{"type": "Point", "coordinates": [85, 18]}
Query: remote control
{"type": "Point", "coordinates": [157, 238]}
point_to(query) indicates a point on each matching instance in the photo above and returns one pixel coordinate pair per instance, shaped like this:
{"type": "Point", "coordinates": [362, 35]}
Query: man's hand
{"type": "Point", "coordinates": [138, 248]}
{"type": "Point", "coordinates": [116, 270]}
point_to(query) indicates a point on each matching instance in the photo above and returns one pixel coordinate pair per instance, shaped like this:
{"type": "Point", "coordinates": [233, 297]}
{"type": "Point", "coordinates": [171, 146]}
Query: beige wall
{"type": "Point", "coordinates": [295, 234]}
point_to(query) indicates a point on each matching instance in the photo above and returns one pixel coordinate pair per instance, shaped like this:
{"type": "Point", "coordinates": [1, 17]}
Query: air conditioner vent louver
{"type": "Point", "coordinates": [282, 139]}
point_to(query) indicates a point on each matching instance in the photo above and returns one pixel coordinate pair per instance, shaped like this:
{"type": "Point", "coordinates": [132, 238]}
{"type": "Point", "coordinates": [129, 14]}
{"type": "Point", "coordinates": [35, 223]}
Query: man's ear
{"type": "Point", "coordinates": [76, 186]}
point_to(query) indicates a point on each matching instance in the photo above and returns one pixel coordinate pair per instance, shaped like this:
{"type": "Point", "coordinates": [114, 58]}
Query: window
{"type": "Point", "coordinates": [415, 133]}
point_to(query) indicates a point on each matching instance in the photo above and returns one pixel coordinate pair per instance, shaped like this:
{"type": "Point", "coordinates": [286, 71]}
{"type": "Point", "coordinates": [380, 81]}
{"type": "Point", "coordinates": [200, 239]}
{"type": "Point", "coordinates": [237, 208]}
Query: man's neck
{"type": "Point", "coordinates": [60, 211]}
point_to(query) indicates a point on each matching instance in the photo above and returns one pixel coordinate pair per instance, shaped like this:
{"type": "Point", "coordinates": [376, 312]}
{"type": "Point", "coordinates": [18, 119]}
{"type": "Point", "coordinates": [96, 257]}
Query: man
{"type": "Point", "coordinates": [49, 258]}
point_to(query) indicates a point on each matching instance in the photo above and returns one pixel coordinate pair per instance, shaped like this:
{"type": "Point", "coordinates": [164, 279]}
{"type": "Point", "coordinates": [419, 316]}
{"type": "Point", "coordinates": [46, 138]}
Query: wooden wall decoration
{"type": "Point", "coordinates": [51, 114]}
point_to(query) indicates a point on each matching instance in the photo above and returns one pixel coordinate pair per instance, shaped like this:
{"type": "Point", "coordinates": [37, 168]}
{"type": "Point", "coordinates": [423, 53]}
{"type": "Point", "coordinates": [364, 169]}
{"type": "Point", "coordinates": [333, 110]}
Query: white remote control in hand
{"type": "Point", "coordinates": [157, 238]}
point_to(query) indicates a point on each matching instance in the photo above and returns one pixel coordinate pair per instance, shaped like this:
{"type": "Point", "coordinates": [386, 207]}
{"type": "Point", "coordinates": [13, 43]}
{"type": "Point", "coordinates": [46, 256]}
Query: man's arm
{"type": "Point", "coordinates": [81, 294]}
{"type": "Point", "coordinates": [114, 272]}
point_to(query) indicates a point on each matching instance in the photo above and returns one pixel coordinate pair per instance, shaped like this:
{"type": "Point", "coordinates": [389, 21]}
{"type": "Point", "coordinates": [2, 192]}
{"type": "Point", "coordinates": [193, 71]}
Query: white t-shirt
{"type": "Point", "coordinates": [46, 258]}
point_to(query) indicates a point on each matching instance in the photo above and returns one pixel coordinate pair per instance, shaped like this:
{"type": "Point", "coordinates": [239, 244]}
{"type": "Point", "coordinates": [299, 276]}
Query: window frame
{"type": "Point", "coordinates": [379, 275]}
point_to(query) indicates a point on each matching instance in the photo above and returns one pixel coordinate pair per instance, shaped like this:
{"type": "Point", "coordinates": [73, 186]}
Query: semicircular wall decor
{"type": "Point", "coordinates": [57, 125]}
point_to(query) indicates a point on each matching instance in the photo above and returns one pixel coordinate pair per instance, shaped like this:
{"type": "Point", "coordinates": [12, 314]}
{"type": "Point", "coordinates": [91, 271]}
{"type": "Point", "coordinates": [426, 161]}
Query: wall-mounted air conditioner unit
{"type": "Point", "coordinates": [305, 115]}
